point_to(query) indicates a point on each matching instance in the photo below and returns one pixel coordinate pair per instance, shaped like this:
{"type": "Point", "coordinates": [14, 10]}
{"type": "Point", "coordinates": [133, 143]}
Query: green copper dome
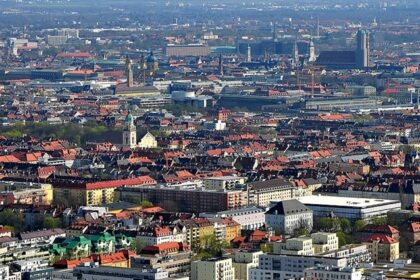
{"type": "Point", "coordinates": [129, 118]}
{"type": "Point", "coordinates": [151, 58]}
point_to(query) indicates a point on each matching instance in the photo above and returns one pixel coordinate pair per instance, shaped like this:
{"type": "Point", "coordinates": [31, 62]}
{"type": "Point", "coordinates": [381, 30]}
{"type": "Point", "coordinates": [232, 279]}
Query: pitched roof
{"type": "Point", "coordinates": [41, 233]}
{"type": "Point", "coordinates": [383, 229]}
{"type": "Point", "coordinates": [382, 238]}
{"type": "Point", "coordinates": [269, 184]}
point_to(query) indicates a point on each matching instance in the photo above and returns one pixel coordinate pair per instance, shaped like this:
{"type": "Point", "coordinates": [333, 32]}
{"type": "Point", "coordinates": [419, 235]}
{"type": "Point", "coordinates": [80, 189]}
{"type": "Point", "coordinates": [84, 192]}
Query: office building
{"type": "Point", "coordinates": [322, 272]}
{"type": "Point", "coordinates": [288, 216]}
{"type": "Point", "coordinates": [318, 243]}
{"type": "Point", "coordinates": [362, 49]}
{"type": "Point", "coordinates": [187, 50]}
{"type": "Point", "coordinates": [56, 40]}
{"type": "Point", "coordinates": [187, 200]}
{"type": "Point", "coordinates": [349, 207]}
{"type": "Point", "coordinates": [93, 272]}
{"type": "Point", "coordinates": [339, 103]}
{"type": "Point", "coordinates": [33, 269]}
{"type": "Point", "coordinates": [354, 253]}
{"type": "Point", "coordinates": [69, 32]}
{"type": "Point", "coordinates": [283, 267]}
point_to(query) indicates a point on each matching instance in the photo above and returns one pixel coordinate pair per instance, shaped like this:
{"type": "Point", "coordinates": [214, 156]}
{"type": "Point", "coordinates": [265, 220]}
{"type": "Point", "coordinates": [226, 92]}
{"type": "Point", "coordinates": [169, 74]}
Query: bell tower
{"type": "Point", "coordinates": [129, 132]}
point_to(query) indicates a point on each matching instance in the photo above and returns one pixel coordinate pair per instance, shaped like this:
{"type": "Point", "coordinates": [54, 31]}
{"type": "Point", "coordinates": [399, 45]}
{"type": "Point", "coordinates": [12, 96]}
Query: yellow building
{"type": "Point", "coordinates": [197, 231]}
{"type": "Point", "coordinates": [75, 196]}
{"type": "Point", "coordinates": [95, 193]}
{"type": "Point", "coordinates": [261, 193]}
{"type": "Point", "coordinates": [233, 229]}
{"type": "Point", "coordinates": [382, 248]}
{"type": "Point", "coordinates": [26, 193]}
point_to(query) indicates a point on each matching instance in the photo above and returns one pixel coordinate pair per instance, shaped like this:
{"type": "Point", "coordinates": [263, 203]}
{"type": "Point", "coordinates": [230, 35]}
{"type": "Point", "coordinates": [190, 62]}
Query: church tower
{"type": "Point", "coordinates": [129, 132]}
{"type": "Point", "coordinates": [129, 70]}
{"type": "Point", "coordinates": [220, 64]}
{"type": "Point", "coordinates": [312, 55]}
{"type": "Point", "coordinates": [295, 55]}
{"type": "Point", "coordinates": [152, 64]}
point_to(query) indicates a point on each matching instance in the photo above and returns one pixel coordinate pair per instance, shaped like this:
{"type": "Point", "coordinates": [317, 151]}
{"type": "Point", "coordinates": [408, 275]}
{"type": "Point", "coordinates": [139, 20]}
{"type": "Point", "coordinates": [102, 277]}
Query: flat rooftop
{"type": "Point", "coordinates": [339, 201]}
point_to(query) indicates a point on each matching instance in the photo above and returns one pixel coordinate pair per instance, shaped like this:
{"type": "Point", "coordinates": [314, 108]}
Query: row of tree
{"type": "Point", "coordinates": [16, 221]}
{"type": "Point", "coordinates": [74, 133]}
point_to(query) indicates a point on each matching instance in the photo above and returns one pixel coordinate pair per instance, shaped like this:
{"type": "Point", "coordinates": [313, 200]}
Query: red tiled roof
{"type": "Point", "coordinates": [159, 248]}
{"type": "Point", "coordinates": [155, 209]}
{"type": "Point", "coordinates": [382, 238]}
{"type": "Point", "coordinates": [142, 180]}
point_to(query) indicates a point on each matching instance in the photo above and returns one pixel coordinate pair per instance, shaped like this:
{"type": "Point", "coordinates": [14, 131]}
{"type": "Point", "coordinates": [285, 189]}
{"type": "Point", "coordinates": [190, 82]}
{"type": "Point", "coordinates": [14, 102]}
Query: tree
{"type": "Point", "coordinates": [301, 231]}
{"type": "Point", "coordinates": [50, 222]}
{"type": "Point", "coordinates": [345, 225]}
{"type": "Point", "coordinates": [380, 221]}
{"type": "Point", "coordinates": [12, 219]}
{"type": "Point", "coordinates": [265, 248]}
{"type": "Point", "coordinates": [137, 245]}
{"type": "Point", "coordinates": [328, 224]}
{"type": "Point", "coordinates": [146, 204]}
{"type": "Point", "coordinates": [359, 225]}
{"type": "Point", "coordinates": [342, 238]}
{"type": "Point", "coordinates": [210, 246]}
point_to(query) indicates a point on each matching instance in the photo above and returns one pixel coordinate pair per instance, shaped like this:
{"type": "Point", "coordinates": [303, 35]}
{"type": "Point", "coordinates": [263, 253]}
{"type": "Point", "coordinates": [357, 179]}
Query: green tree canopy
{"type": "Point", "coordinates": [50, 222]}
{"type": "Point", "coordinates": [359, 225]}
{"type": "Point", "coordinates": [12, 219]}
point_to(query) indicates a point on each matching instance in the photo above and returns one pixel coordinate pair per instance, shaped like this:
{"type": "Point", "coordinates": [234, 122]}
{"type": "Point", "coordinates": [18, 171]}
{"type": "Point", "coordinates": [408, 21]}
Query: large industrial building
{"type": "Point", "coordinates": [349, 207]}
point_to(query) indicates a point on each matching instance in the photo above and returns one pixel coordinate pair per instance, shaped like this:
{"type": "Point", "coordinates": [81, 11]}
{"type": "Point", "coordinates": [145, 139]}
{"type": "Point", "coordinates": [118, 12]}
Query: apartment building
{"type": "Point", "coordinates": [382, 248]}
{"type": "Point", "coordinates": [249, 218]}
{"type": "Point", "coordinates": [324, 242]}
{"type": "Point", "coordinates": [294, 246]}
{"type": "Point", "coordinates": [81, 192]}
{"type": "Point", "coordinates": [187, 200]}
{"type": "Point", "coordinates": [173, 257]}
{"type": "Point", "coordinates": [223, 182]}
{"type": "Point", "coordinates": [158, 235]}
{"type": "Point", "coordinates": [243, 261]}
{"type": "Point", "coordinates": [25, 193]}
{"type": "Point", "coordinates": [218, 268]}
{"type": "Point", "coordinates": [263, 192]}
